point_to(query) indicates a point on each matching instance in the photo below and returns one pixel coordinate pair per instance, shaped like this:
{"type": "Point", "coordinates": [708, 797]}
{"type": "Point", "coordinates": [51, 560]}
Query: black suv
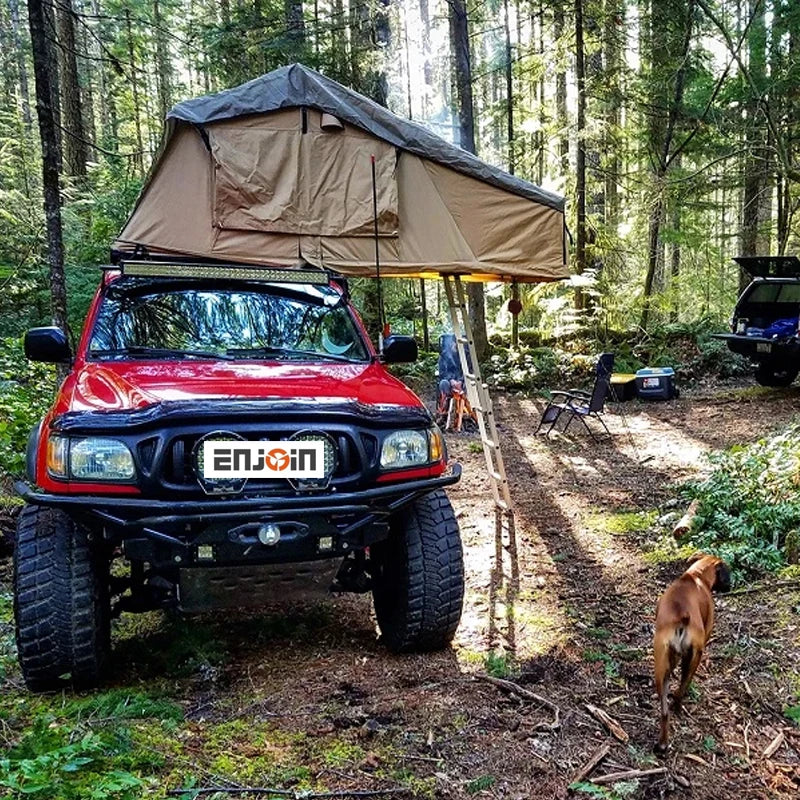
{"type": "Point", "coordinates": [764, 326]}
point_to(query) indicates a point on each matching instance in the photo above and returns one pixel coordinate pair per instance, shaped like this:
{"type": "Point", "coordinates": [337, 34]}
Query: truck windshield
{"type": "Point", "coordinates": [313, 324]}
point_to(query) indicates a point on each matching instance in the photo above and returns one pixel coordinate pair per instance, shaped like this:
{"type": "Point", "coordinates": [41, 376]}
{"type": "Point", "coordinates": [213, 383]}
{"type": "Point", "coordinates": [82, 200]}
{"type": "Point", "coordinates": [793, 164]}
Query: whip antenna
{"type": "Point", "coordinates": [384, 328]}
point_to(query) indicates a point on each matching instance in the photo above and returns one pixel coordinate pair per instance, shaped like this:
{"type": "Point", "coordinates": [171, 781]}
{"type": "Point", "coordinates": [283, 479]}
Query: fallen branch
{"type": "Point", "coordinates": [767, 586]}
{"type": "Point", "coordinates": [613, 727]}
{"type": "Point", "coordinates": [592, 763]}
{"type": "Point", "coordinates": [629, 775]}
{"type": "Point", "coordinates": [510, 686]}
{"type": "Point", "coordinates": [773, 746]}
{"type": "Point", "coordinates": [526, 694]}
{"type": "Point", "coordinates": [297, 795]}
{"type": "Point", "coordinates": [684, 524]}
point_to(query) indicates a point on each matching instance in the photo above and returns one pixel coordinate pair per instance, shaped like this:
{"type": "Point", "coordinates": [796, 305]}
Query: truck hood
{"type": "Point", "coordinates": [120, 386]}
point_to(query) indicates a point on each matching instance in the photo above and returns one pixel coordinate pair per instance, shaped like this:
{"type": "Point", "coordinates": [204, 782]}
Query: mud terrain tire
{"type": "Point", "coordinates": [61, 602]}
{"type": "Point", "coordinates": [418, 576]}
{"type": "Point", "coordinates": [769, 374]}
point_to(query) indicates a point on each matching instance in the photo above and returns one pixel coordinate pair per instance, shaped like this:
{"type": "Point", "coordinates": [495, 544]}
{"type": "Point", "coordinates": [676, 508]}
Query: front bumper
{"type": "Point", "coordinates": [225, 530]}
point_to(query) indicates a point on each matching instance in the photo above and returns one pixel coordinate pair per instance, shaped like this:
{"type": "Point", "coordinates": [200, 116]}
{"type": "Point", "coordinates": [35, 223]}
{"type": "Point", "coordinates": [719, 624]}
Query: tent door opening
{"type": "Point", "coordinates": [477, 391]}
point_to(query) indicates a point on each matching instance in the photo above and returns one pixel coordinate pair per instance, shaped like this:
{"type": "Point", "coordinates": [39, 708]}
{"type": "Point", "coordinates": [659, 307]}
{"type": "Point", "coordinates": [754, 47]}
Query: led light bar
{"type": "Point", "coordinates": [165, 269]}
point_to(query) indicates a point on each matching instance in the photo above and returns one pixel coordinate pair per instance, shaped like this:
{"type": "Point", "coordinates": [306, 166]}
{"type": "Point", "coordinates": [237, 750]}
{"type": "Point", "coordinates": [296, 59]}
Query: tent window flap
{"type": "Point", "coordinates": [284, 181]}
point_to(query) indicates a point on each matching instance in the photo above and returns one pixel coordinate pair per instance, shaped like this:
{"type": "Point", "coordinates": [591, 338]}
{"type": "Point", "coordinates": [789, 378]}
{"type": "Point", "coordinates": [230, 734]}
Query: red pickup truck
{"type": "Point", "coordinates": [226, 434]}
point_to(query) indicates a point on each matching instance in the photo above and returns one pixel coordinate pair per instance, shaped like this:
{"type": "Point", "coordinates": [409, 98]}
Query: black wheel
{"type": "Point", "coordinates": [418, 576]}
{"type": "Point", "coordinates": [770, 374]}
{"type": "Point", "coordinates": [61, 602]}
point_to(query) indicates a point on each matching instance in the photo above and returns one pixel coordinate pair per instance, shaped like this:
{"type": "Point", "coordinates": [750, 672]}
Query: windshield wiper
{"type": "Point", "coordinates": [159, 352]}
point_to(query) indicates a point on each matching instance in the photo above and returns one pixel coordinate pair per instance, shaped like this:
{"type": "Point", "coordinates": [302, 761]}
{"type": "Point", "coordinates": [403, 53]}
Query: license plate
{"type": "Point", "coordinates": [651, 383]}
{"type": "Point", "coordinates": [763, 347]}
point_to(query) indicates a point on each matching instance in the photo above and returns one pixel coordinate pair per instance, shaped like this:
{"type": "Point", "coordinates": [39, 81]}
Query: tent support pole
{"type": "Point", "coordinates": [477, 391]}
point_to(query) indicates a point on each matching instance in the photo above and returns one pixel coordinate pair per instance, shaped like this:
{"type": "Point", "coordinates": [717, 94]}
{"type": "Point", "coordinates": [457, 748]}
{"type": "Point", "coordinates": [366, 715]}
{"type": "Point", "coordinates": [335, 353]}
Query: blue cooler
{"type": "Point", "coordinates": [656, 383]}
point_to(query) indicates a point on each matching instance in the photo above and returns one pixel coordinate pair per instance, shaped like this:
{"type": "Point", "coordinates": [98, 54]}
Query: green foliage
{"type": "Point", "coordinates": [26, 390]}
{"type": "Point", "coordinates": [749, 503]}
{"type": "Point", "coordinates": [498, 665]}
{"type": "Point", "coordinates": [792, 713]}
{"type": "Point", "coordinates": [544, 361]}
{"type": "Point", "coordinates": [480, 784]}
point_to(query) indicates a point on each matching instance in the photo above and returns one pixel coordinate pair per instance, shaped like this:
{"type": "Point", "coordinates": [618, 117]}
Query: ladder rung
{"type": "Point", "coordinates": [497, 476]}
{"type": "Point", "coordinates": [490, 443]}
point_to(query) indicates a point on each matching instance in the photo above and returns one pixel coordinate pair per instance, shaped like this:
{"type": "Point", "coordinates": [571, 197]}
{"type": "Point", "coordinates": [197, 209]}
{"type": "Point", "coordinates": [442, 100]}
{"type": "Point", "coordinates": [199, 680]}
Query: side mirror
{"type": "Point", "coordinates": [47, 344]}
{"type": "Point", "coordinates": [400, 350]}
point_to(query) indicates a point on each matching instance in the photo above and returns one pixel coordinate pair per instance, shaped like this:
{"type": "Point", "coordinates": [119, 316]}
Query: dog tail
{"type": "Point", "coordinates": [681, 627]}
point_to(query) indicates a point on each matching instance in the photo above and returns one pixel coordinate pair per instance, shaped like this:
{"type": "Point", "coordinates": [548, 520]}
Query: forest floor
{"type": "Point", "coordinates": [561, 603]}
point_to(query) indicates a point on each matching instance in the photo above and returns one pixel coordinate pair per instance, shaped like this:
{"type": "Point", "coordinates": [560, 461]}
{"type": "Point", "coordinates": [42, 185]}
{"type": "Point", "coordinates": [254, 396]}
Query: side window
{"type": "Point", "coordinates": [764, 293]}
{"type": "Point", "coordinates": [790, 293]}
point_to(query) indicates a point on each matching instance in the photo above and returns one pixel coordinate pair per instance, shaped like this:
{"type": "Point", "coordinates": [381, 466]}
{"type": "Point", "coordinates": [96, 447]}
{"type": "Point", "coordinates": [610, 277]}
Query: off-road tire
{"type": "Point", "coordinates": [61, 602]}
{"type": "Point", "coordinates": [770, 374]}
{"type": "Point", "coordinates": [418, 576]}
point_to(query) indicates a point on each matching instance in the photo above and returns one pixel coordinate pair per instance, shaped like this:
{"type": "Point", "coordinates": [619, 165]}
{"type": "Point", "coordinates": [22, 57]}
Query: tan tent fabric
{"type": "Point", "coordinates": [287, 181]}
{"type": "Point", "coordinates": [274, 188]}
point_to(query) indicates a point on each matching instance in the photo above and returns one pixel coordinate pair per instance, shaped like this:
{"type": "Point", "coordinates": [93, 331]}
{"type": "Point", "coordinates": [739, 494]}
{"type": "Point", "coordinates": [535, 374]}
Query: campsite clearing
{"type": "Point", "coordinates": [561, 605]}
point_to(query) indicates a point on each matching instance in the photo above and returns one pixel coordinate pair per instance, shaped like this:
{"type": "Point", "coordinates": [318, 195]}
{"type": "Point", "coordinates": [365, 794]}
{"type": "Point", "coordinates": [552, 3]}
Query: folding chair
{"type": "Point", "coordinates": [580, 405]}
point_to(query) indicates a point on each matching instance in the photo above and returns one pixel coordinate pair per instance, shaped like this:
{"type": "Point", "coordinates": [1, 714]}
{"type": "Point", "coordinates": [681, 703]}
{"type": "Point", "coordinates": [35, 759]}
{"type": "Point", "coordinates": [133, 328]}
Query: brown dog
{"type": "Point", "coordinates": [684, 619]}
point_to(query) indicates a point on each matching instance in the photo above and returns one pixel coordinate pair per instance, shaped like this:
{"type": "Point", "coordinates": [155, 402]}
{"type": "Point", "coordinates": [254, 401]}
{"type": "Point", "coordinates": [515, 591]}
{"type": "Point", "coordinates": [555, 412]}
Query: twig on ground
{"type": "Point", "coordinates": [299, 795]}
{"type": "Point", "coordinates": [629, 775]}
{"type": "Point", "coordinates": [527, 694]}
{"type": "Point", "coordinates": [592, 763]}
{"type": "Point", "coordinates": [613, 727]}
{"type": "Point", "coordinates": [767, 586]}
{"type": "Point", "coordinates": [773, 746]}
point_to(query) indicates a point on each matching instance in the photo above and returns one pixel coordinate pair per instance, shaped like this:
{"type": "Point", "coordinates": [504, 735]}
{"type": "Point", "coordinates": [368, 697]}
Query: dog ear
{"type": "Point", "coordinates": [722, 581]}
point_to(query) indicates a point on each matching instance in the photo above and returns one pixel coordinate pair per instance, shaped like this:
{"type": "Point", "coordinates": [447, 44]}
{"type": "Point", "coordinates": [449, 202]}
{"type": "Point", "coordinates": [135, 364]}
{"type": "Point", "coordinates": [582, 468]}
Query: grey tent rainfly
{"type": "Point", "coordinates": [278, 170]}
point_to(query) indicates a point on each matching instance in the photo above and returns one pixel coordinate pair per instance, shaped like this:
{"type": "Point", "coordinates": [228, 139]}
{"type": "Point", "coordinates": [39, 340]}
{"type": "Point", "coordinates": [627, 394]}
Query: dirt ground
{"type": "Point", "coordinates": [561, 602]}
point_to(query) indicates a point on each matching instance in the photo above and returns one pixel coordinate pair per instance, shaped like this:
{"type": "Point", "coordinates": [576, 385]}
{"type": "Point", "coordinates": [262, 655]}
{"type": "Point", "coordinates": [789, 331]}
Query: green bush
{"type": "Point", "coordinates": [26, 391]}
{"type": "Point", "coordinates": [750, 503]}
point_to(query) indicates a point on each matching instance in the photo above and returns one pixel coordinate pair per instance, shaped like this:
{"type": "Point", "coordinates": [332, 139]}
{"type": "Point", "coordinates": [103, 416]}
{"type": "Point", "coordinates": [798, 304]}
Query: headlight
{"type": "Point", "coordinates": [100, 460]}
{"type": "Point", "coordinates": [405, 449]}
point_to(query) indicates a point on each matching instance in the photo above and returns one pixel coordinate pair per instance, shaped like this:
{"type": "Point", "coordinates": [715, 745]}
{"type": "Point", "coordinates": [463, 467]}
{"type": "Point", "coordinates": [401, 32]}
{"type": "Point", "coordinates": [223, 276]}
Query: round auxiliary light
{"type": "Point", "coordinates": [330, 460]}
{"type": "Point", "coordinates": [216, 485]}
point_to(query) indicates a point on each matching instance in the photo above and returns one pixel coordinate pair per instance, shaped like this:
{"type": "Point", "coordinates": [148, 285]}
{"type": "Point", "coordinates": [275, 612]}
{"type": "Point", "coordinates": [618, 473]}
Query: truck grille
{"type": "Point", "coordinates": [342, 457]}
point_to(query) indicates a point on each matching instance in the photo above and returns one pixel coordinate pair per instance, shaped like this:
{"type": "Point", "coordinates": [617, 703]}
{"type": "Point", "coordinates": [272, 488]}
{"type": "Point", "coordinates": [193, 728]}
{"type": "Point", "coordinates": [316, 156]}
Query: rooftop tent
{"type": "Point", "coordinates": [279, 170]}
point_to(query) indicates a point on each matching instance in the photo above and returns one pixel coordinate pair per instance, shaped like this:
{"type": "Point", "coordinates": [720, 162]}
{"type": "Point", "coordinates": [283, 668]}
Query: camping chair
{"type": "Point", "coordinates": [580, 405]}
{"type": "Point", "coordinates": [453, 408]}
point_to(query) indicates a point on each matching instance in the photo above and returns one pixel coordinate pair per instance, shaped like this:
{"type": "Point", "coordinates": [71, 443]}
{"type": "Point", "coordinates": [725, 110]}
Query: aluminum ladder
{"type": "Point", "coordinates": [477, 391]}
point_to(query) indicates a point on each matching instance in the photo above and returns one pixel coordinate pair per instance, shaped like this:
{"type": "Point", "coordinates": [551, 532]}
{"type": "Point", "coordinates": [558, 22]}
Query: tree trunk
{"type": "Point", "coordinates": [138, 158]}
{"type": "Point", "coordinates": [580, 165]}
{"type": "Point", "coordinates": [459, 42]}
{"type": "Point", "coordinates": [86, 70]}
{"type": "Point", "coordinates": [51, 35]}
{"type": "Point", "coordinates": [163, 62]}
{"type": "Point", "coordinates": [561, 87]}
{"type": "Point", "coordinates": [423, 300]}
{"type": "Point", "coordinates": [613, 47]}
{"type": "Point", "coordinates": [44, 77]}
{"type": "Point", "coordinates": [509, 69]}
{"type": "Point", "coordinates": [22, 69]}
{"type": "Point", "coordinates": [295, 26]}
{"type": "Point", "coordinates": [754, 178]}
{"type": "Point", "coordinates": [73, 139]}
{"type": "Point", "coordinates": [670, 56]}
